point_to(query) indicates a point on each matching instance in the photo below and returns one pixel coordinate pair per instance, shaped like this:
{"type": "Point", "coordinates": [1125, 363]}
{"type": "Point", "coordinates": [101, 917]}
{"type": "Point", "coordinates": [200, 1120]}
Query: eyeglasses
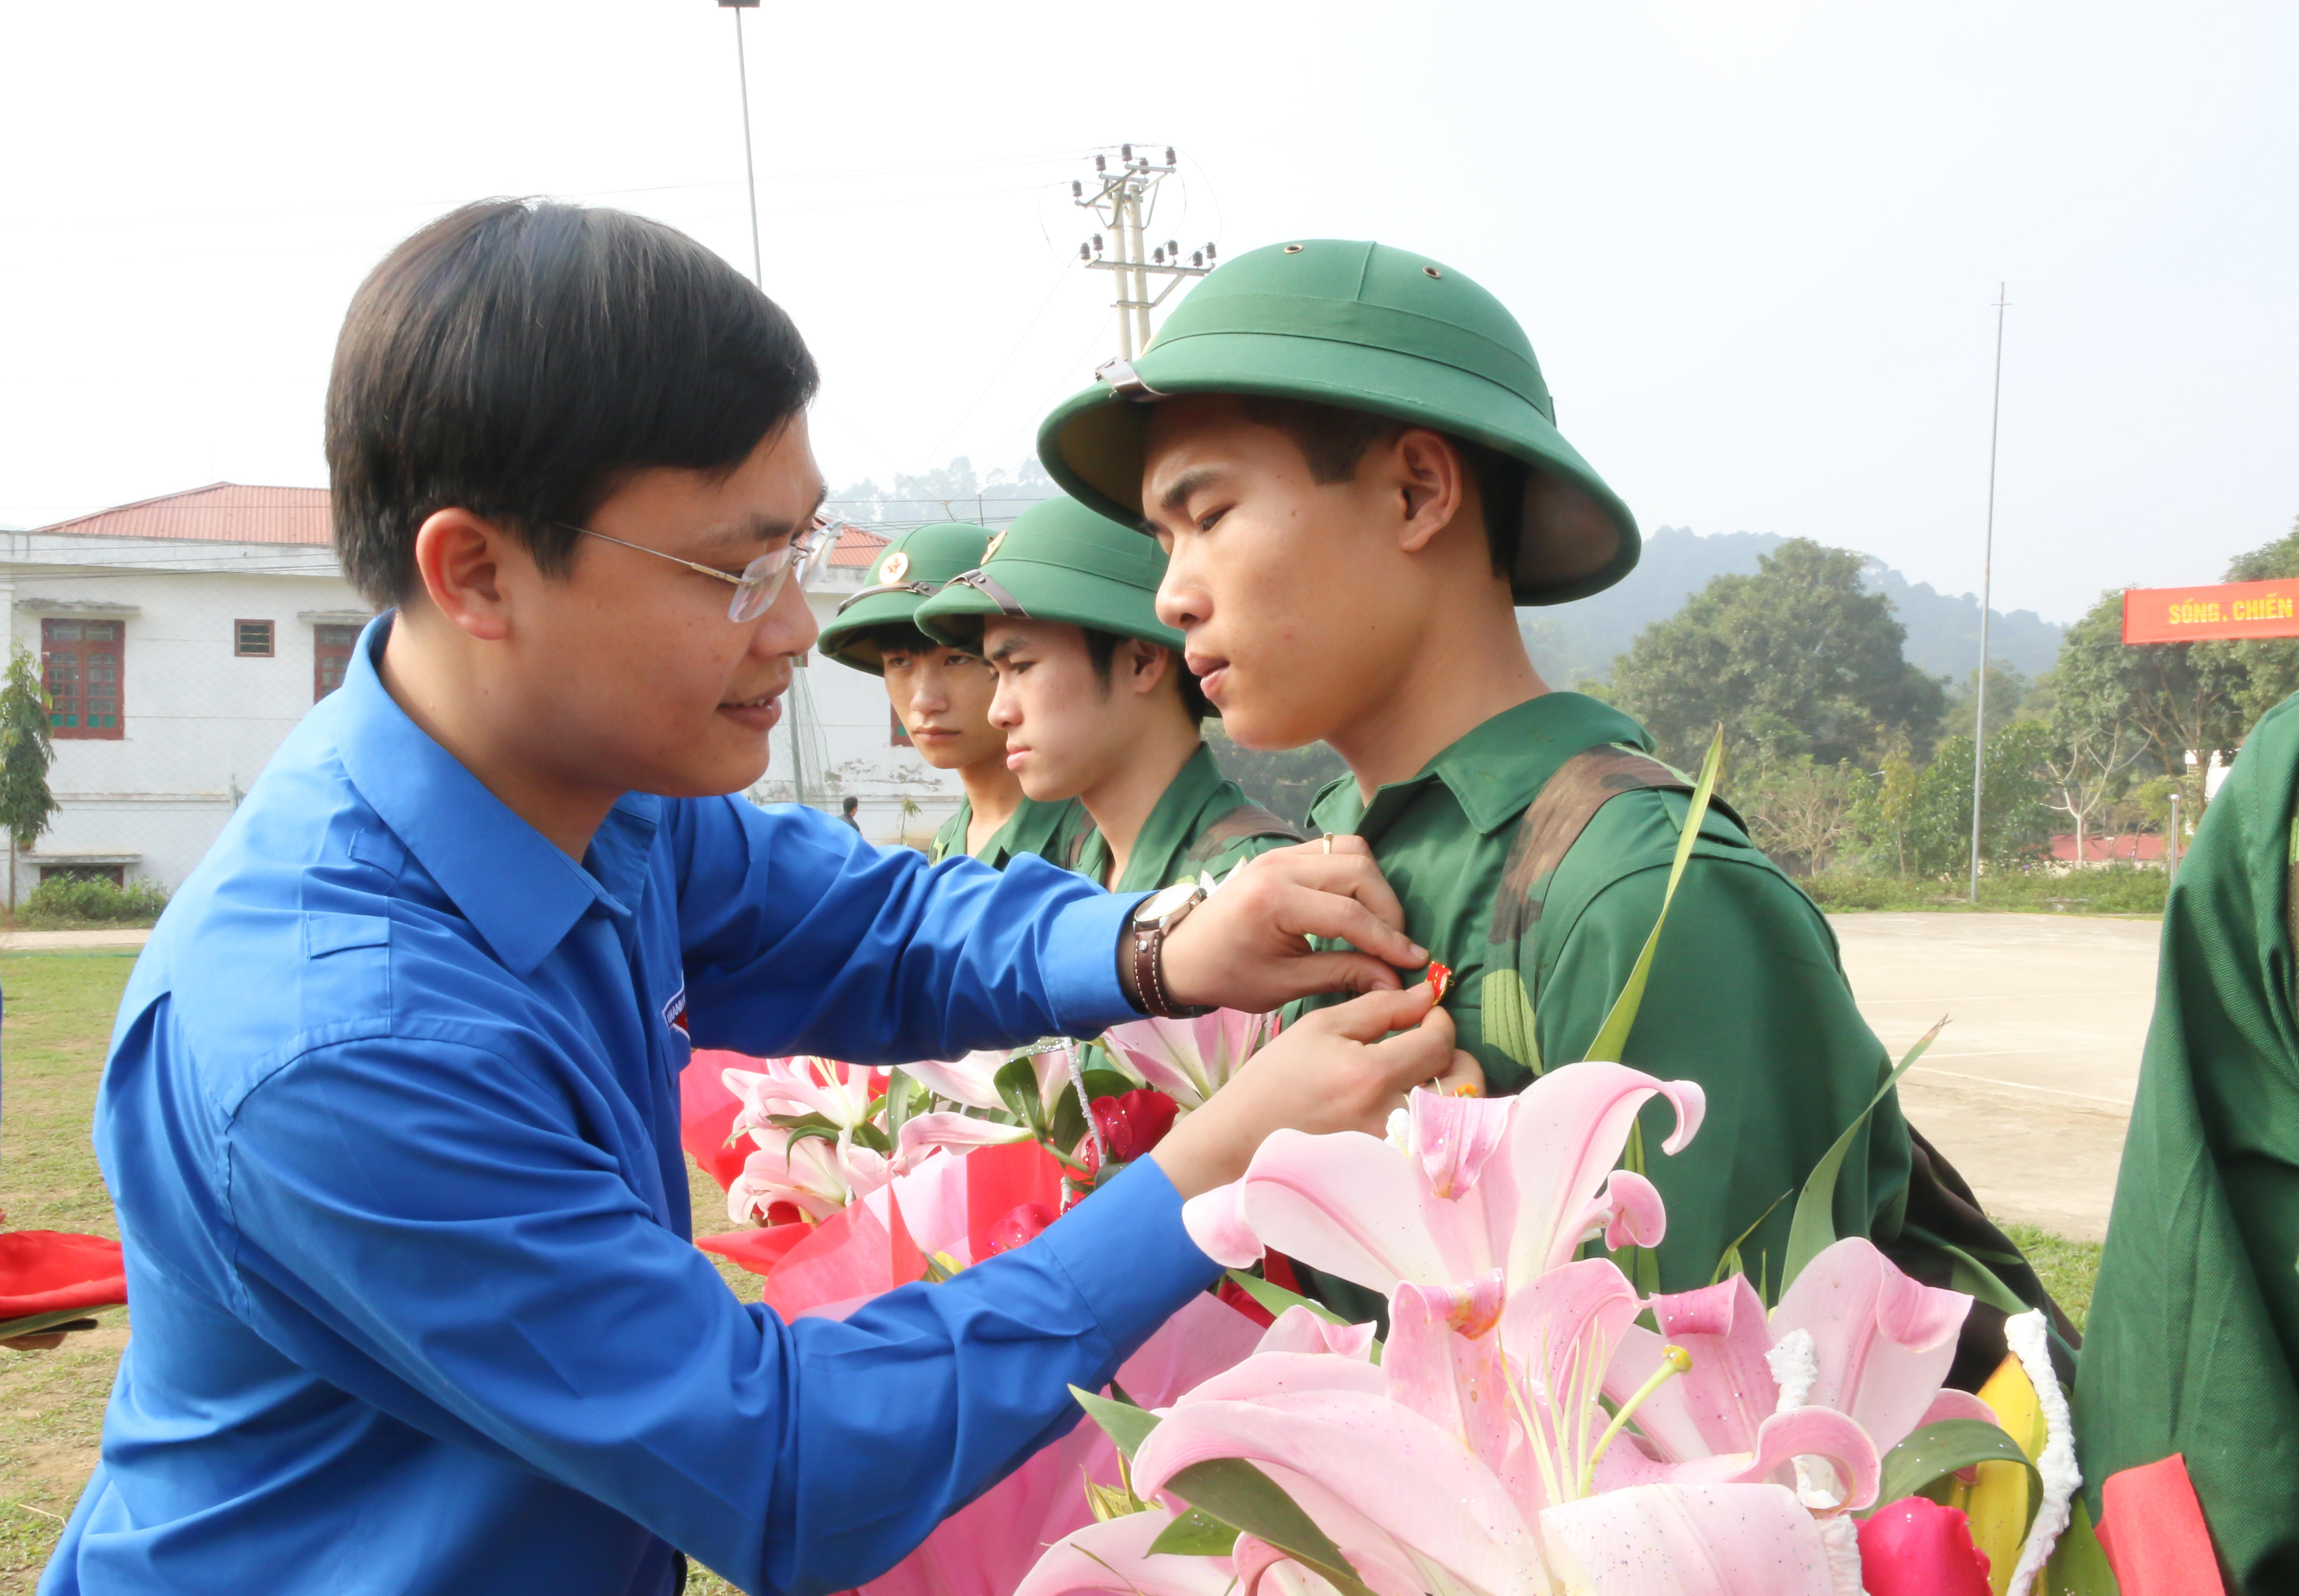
{"type": "Point", "coordinates": [760, 583]}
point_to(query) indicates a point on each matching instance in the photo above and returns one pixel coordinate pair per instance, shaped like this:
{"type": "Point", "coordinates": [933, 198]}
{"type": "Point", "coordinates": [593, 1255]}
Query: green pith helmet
{"type": "Point", "coordinates": [1059, 561]}
{"type": "Point", "coordinates": [907, 573]}
{"type": "Point", "coordinates": [1362, 327]}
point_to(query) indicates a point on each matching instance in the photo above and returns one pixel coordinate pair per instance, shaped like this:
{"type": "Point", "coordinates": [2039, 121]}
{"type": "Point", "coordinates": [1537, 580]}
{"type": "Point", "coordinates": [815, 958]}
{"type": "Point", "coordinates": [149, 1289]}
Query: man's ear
{"type": "Point", "coordinates": [1149, 664]}
{"type": "Point", "coordinates": [459, 559]}
{"type": "Point", "coordinates": [1430, 483]}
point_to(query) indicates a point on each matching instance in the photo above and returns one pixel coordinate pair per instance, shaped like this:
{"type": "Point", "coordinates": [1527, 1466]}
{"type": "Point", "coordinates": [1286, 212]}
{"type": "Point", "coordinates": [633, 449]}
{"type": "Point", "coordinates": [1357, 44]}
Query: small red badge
{"type": "Point", "coordinates": [1440, 975]}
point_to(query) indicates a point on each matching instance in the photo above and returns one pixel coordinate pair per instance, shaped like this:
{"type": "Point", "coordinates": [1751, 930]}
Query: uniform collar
{"type": "Point", "coordinates": [1167, 831]}
{"type": "Point", "coordinates": [1493, 771]}
{"type": "Point", "coordinates": [518, 890]}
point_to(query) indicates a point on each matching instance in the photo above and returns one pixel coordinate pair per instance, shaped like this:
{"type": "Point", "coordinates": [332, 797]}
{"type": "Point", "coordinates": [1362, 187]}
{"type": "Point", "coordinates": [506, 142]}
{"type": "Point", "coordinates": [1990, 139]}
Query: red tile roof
{"type": "Point", "coordinates": [229, 512]}
{"type": "Point", "coordinates": [222, 512]}
{"type": "Point", "coordinates": [2141, 846]}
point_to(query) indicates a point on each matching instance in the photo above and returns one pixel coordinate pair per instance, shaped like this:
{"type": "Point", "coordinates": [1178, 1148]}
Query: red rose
{"type": "Point", "coordinates": [1017, 1227]}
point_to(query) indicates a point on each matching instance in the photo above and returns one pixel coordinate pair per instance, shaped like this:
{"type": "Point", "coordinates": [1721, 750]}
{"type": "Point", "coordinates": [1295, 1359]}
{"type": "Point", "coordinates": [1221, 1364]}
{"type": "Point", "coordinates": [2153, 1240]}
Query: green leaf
{"type": "Point", "coordinates": [1613, 1036]}
{"type": "Point", "coordinates": [1196, 1533]}
{"type": "Point", "coordinates": [1277, 1298]}
{"type": "Point", "coordinates": [1018, 1089]}
{"type": "Point", "coordinates": [1123, 1423]}
{"type": "Point", "coordinates": [828, 1133]}
{"type": "Point", "coordinates": [1938, 1449]}
{"type": "Point", "coordinates": [806, 1121]}
{"type": "Point", "coordinates": [1729, 1264]}
{"type": "Point", "coordinates": [872, 1136]}
{"type": "Point", "coordinates": [1974, 1278]}
{"type": "Point", "coordinates": [1235, 1492]}
{"type": "Point", "coordinates": [1813, 1231]}
{"type": "Point", "coordinates": [56, 1319]}
{"type": "Point", "coordinates": [1069, 1120]}
{"type": "Point", "coordinates": [1510, 1023]}
{"type": "Point", "coordinates": [2079, 1564]}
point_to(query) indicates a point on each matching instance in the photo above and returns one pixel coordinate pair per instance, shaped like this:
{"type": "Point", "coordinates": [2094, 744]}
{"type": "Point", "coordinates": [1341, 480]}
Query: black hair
{"type": "Point", "coordinates": [1334, 440]}
{"type": "Point", "coordinates": [520, 360]}
{"type": "Point", "coordinates": [1102, 648]}
{"type": "Point", "coordinates": [895, 636]}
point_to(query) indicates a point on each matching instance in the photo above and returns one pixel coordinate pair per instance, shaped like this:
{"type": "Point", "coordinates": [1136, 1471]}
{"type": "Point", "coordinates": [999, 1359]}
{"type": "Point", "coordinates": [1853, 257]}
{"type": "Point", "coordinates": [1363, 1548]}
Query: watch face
{"type": "Point", "coordinates": [1164, 901]}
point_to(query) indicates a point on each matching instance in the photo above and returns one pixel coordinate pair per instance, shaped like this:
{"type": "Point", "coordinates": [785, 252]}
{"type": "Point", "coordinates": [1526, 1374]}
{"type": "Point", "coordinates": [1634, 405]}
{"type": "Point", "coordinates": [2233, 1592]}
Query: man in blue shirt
{"type": "Point", "coordinates": [391, 1115]}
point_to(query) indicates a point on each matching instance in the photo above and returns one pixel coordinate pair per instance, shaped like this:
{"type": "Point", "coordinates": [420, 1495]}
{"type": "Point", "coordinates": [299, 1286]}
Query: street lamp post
{"type": "Point", "coordinates": [750, 169]}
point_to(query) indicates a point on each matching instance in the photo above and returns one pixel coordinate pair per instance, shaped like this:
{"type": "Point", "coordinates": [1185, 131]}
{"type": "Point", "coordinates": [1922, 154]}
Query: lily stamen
{"type": "Point", "coordinates": [1675, 1360]}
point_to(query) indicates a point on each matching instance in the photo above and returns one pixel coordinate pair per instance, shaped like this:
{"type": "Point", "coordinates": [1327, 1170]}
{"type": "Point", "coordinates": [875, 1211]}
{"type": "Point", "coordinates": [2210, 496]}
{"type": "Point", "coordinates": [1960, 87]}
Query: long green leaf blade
{"type": "Point", "coordinates": [1812, 1230]}
{"type": "Point", "coordinates": [1613, 1036]}
{"type": "Point", "coordinates": [1235, 1492]}
{"type": "Point", "coordinates": [1196, 1533]}
{"type": "Point", "coordinates": [1277, 1298]}
{"type": "Point", "coordinates": [1123, 1423]}
{"type": "Point", "coordinates": [1938, 1449]}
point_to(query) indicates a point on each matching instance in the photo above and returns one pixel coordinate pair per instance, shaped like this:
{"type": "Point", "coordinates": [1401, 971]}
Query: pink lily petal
{"type": "Point", "coordinates": [1952, 1403]}
{"type": "Point", "coordinates": [1718, 1404]}
{"type": "Point", "coordinates": [1348, 1204]}
{"type": "Point", "coordinates": [1569, 1323]}
{"type": "Point", "coordinates": [1216, 1222]}
{"type": "Point", "coordinates": [1440, 1362]}
{"type": "Point", "coordinates": [1636, 1215]}
{"type": "Point", "coordinates": [1115, 1556]}
{"type": "Point", "coordinates": [971, 1081]}
{"type": "Point", "coordinates": [931, 1196]}
{"type": "Point", "coordinates": [1453, 1137]}
{"type": "Point", "coordinates": [1284, 1374]}
{"type": "Point", "coordinates": [1883, 1341]}
{"type": "Point", "coordinates": [1384, 1464]}
{"type": "Point", "coordinates": [1300, 1329]}
{"type": "Point", "coordinates": [1204, 1338]}
{"type": "Point", "coordinates": [927, 1132]}
{"type": "Point", "coordinates": [1688, 1541]}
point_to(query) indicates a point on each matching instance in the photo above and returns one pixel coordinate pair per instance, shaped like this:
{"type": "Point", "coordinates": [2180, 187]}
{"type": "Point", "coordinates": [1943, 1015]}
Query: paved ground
{"type": "Point", "coordinates": [51, 941]}
{"type": "Point", "coordinates": [2029, 1090]}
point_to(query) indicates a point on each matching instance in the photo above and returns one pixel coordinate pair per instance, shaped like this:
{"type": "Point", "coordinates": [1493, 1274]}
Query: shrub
{"type": "Point", "coordinates": [65, 902]}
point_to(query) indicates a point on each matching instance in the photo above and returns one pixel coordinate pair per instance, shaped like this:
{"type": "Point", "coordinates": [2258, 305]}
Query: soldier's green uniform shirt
{"type": "Point", "coordinates": [2195, 1323]}
{"type": "Point", "coordinates": [1049, 830]}
{"type": "Point", "coordinates": [1173, 845]}
{"type": "Point", "coordinates": [1745, 996]}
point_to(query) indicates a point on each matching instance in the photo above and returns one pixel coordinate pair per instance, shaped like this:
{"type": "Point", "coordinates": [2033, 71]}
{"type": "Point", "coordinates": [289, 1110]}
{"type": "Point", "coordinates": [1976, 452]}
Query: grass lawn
{"type": "Point", "coordinates": [59, 1013]}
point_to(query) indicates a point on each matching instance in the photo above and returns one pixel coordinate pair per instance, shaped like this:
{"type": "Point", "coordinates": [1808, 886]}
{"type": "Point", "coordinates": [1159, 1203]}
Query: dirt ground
{"type": "Point", "coordinates": [2029, 1090]}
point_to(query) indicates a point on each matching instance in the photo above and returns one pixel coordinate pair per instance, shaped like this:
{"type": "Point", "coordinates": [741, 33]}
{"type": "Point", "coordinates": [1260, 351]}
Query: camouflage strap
{"type": "Point", "coordinates": [1551, 824]}
{"type": "Point", "coordinates": [1245, 821]}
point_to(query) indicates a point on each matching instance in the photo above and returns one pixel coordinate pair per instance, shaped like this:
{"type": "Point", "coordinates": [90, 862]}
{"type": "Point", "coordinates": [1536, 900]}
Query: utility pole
{"type": "Point", "coordinates": [1987, 572]}
{"type": "Point", "coordinates": [1124, 201]}
{"type": "Point", "coordinates": [750, 168]}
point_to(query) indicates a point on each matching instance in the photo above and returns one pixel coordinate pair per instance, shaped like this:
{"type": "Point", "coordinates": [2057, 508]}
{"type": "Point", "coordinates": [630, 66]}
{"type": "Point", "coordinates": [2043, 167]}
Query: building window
{"type": "Point", "coordinates": [81, 662]}
{"type": "Point", "coordinates": [252, 640]}
{"type": "Point", "coordinates": [901, 733]}
{"type": "Point", "coordinates": [331, 656]}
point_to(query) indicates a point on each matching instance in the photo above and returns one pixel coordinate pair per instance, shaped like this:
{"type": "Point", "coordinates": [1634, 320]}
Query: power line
{"type": "Point", "coordinates": [1126, 200]}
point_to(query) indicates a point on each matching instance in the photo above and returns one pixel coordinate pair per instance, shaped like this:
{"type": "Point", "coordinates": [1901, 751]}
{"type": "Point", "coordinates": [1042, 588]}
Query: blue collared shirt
{"type": "Point", "coordinates": [391, 1123]}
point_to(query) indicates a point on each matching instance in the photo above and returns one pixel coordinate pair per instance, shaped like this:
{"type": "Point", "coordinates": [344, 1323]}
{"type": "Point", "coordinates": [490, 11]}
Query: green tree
{"type": "Point", "coordinates": [26, 752]}
{"type": "Point", "coordinates": [2177, 696]}
{"type": "Point", "coordinates": [1796, 659]}
{"type": "Point", "coordinates": [2269, 666]}
{"type": "Point", "coordinates": [2013, 822]}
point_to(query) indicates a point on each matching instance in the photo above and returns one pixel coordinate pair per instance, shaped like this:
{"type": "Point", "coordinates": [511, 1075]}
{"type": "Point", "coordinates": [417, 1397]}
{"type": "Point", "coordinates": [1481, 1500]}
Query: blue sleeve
{"type": "Point", "coordinates": [798, 936]}
{"type": "Point", "coordinates": [372, 1183]}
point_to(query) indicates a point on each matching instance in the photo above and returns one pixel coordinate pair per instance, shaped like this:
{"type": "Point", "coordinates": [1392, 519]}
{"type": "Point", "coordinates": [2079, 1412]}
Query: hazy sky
{"type": "Point", "coordinates": [1755, 246]}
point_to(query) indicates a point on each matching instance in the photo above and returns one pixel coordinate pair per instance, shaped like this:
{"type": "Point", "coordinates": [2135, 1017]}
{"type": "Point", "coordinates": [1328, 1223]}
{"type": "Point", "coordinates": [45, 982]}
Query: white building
{"type": "Point", "coordinates": [180, 638]}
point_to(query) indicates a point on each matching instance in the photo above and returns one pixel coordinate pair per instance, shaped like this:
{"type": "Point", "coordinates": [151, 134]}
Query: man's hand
{"type": "Point", "coordinates": [1330, 1071]}
{"type": "Point", "coordinates": [1247, 947]}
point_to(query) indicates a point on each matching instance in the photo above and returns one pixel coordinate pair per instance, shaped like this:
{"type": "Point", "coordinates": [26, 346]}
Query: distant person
{"type": "Point", "coordinates": [1094, 703]}
{"type": "Point", "coordinates": [391, 1115]}
{"type": "Point", "coordinates": [2193, 1343]}
{"type": "Point", "coordinates": [941, 696]}
{"type": "Point", "coordinates": [1351, 456]}
{"type": "Point", "coordinates": [847, 809]}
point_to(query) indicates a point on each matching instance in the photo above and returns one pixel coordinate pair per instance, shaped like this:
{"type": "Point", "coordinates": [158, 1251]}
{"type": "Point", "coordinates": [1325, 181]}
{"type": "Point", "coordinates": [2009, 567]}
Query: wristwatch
{"type": "Point", "coordinates": [1141, 950]}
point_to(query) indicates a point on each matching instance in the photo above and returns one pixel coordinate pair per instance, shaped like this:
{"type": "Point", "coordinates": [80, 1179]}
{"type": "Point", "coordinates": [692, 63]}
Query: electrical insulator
{"type": "Point", "coordinates": [1157, 257]}
{"type": "Point", "coordinates": [1096, 243]}
{"type": "Point", "coordinates": [1083, 252]}
{"type": "Point", "coordinates": [1169, 155]}
{"type": "Point", "coordinates": [1209, 251]}
{"type": "Point", "coordinates": [1125, 152]}
{"type": "Point", "coordinates": [1078, 189]}
{"type": "Point", "coordinates": [1173, 248]}
{"type": "Point", "coordinates": [1101, 163]}
{"type": "Point", "coordinates": [1197, 258]}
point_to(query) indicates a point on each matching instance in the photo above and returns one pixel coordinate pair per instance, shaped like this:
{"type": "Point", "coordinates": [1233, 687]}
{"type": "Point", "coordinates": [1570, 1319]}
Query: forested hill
{"type": "Point", "coordinates": [1572, 641]}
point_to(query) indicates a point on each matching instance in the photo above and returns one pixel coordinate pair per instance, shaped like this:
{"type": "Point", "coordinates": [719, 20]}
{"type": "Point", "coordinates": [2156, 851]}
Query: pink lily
{"type": "Point", "coordinates": [1853, 1334]}
{"type": "Point", "coordinates": [840, 1093]}
{"type": "Point", "coordinates": [1189, 1060]}
{"type": "Point", "coordinates": [819, 1176]}
{"type": "Point", "coordinates": [972, 1080]}
{"type": "Point", "coordinates": [1467, 1463]}
{"type": "Point", "coordinates": [1462, 1185]}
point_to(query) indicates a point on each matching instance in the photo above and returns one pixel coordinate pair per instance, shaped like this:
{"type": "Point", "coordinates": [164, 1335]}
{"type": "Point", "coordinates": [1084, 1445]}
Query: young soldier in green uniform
{"type": "Point", "coordinates": [2194, 1325]}
{"type": "Point", "coordinates": [1351, 456]}
{"type": "Point", "coordinates": [942, 696]}
{"type": "Point", "coordinates": [1093, 699]}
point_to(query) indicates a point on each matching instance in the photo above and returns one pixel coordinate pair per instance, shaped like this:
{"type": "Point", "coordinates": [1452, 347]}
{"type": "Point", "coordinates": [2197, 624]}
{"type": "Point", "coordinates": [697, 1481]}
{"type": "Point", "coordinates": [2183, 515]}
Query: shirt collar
{"type": "Point", "coordinates": [1168, 829]}
{"type": "Point", "coordinates": [1494, 771]}
{"type": "Point", "coordinates": [519, 890]}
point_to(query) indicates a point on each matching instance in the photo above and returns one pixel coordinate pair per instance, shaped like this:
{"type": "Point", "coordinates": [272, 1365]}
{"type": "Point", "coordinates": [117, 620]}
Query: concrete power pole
{"type": "Point", "coordinates": [1126, 202]}
{"type": "Point", "coordinates": [1986, 574]}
